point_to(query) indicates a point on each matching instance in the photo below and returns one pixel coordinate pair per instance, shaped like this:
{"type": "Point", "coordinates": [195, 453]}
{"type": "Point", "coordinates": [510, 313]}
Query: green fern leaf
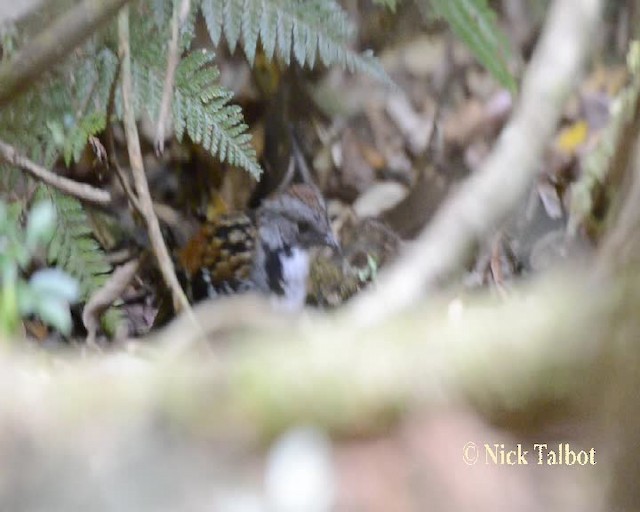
{"type": "Point", "coordinates": [474, 22]}
{"type": "Point", "coordinates": [233, 10]}
{"type": "Point", "coordinates": [213, 20]}
{"type": "Point", "coordinates": [74, 250]}
{"type": "Point", "coordinates": [251, 28]}
{"type": "Point", "coordinates": [76, 141]}
{"type": "Point", "coordinates": [78, 89]}
{"type": "Point", "coordinates": [284, 36]}
{"type": "Point", "coordinates": [201, 108]}
{"type": "Point", "coordinates": [268, 30]}
{"type": "Point", "coordinates": [305, 29]}
{"type": "Point", "coordinates": [188, 28]}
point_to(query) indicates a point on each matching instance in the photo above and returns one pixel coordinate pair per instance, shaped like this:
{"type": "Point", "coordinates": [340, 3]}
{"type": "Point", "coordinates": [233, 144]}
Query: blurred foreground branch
{"type": "Point", "coordinates": [286, 372]}
{"type": "Point", "coordinates": [174, 429]}
{"type": "Point", "coordinates": [52, 45]}
{"type": "Point", "coordinates": [180, 425]}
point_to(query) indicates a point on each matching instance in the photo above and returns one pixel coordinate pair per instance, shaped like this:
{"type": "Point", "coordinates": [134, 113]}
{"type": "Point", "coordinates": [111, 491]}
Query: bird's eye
{"type": "Point", "coordinates": [305, 227]}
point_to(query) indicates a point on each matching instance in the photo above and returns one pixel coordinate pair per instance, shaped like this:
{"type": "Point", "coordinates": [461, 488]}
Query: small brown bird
{"type": "Point", "coordinates": [264, 250]}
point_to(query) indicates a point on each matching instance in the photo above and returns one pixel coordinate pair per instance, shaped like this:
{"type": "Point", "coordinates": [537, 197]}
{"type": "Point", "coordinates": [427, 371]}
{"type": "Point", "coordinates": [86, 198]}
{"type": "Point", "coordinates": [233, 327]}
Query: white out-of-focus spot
{"type": "Point", "coordinates": [455, 310]}
{"type": "Point", "coordinates": [300, 476]}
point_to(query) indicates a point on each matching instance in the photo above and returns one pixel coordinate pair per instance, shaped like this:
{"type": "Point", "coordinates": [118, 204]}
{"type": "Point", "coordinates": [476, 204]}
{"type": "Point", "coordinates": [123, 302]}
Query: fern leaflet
{"type": "Point", "coordinates": [474, 22]}
{"type": "Point", "coordinates": [201, 106]}
{"type": "Point", "coordinates": [304, 29]}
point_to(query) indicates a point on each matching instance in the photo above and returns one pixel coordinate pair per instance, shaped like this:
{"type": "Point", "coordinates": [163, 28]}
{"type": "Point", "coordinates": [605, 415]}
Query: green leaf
{"type": "Point", "coordinates": [41, 224]}
{"type": "Point", "coordinates": [57, 132]}
{"type": "Point", "coordinates": [72, 248]}
{"type": "Point", "coordinates": [78, 136]}
{"type": "Point", "coordinates": [202, 110]}
{"type": "Point", "coordinates": [308, 30]}
{"type": "Point", "coordinates": [9, 300]}
{"type": "Point", "coordinates": [475, 24]}
{"type": "Point", "coordinates": [213, 20]}
{"type": "Point", "coordinates": [55, 283]}
{"type": "Point", "coordinates": [55, 312]}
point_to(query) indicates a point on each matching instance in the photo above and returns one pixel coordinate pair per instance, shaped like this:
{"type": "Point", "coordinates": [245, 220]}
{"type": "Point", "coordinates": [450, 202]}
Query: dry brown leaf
{"type": "Point", "coordinates": [415, 126]}
{"type": "Point", "coordinates": [356, 175]}
{"type": "Point", "coordinates": [463, 124]}
{"type": "Point", "coordinates": [378, 198]}
{"type": "Point", "coordinates": [374, 157]}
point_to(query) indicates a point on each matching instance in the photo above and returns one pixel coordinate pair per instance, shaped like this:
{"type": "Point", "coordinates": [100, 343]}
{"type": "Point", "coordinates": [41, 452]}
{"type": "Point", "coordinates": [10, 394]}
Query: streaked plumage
{"type": "Point", "coordinates": [264, 250]}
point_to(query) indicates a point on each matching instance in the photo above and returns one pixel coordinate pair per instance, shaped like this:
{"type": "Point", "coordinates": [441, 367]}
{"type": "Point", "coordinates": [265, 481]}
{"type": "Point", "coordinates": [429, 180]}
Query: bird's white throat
{"type": "Point", "coordinates": [295, 271]}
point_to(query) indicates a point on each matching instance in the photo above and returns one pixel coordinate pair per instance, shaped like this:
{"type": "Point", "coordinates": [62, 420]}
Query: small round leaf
{"type": "Point", "coordinates": [41, 224]}
{"type": "Point", "coordinates": [54, 283]}
{"type": "Point", "coordinates": [54, 312]}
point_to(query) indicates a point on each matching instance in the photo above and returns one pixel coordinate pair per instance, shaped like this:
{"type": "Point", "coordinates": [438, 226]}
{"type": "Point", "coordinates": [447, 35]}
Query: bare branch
{"type": "Point", "coordinates": [137, 168]}
{"type": "Point", "coordinates": [292, 371]}
{"type": "Point", "coordinates": [107, 295]}
{"type": "Point", "coordinates": [52, 45]}
{"type": "Point", "coordinates": [78, 190]}
{"type": "Point", "coordinates": [487, 198]}
{"type": "Point", "coordinates": [512, 355]}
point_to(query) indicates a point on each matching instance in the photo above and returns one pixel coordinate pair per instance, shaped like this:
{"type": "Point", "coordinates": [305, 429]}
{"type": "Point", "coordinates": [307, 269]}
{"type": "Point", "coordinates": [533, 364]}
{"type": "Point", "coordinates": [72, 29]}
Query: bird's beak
{"type": "Point", "coordinates": [331, 241]}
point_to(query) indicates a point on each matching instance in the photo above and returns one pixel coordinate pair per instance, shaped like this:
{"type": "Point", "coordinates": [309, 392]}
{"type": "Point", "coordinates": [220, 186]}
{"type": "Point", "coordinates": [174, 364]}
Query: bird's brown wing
{"type": "Point", "coordinates": [219, 258]}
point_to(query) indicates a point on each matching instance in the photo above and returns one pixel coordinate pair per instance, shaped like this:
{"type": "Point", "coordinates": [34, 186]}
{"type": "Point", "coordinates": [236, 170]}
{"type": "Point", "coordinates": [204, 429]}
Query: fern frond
{"type": "Point", "coordinates": [160, 13]}
{"type": "Point", "coordinates": [201, 106]}
{"type": "Point", "coordinates": [74, 250]}
{"type": "Point", "coordinates": [474, 22]}
{"type": "Point", "coordinates": [30, 129]}
{"type": "Point", "coordinates": [76, 90]}
{"type": "Point", "coordinates": [307, 30]}
{"type": "Point", "coordinates": [55, 118]}
{"type": "Point", "coordinates": [76, 140]}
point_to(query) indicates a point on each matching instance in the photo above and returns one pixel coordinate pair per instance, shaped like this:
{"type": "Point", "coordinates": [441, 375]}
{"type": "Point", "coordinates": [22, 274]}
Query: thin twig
{"type": "Point", "coordinates": [489, 195]}
{"type": "Point", "coordinates": [78, 190]}
{"type": "Point", "coordinates": [52, 45]}
{"type": "Point", "coordinates": [137, 168]}
{"type": "Point", "coordinates": [180, 15]}
{"type": "Point", "coordinates": [300, 162]}
{"type": "Point", "coordinates": [112, 155]}
{"type": "Point", "coordinates": [107, 295]}
{"type": "Point", "coordinates": [123, 179]}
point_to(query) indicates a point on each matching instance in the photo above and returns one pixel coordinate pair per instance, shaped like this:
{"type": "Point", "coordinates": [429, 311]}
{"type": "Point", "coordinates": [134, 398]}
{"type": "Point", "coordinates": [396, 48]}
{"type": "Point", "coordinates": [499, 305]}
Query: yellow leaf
{"type": "Point", "coordinates": [572, 137]}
